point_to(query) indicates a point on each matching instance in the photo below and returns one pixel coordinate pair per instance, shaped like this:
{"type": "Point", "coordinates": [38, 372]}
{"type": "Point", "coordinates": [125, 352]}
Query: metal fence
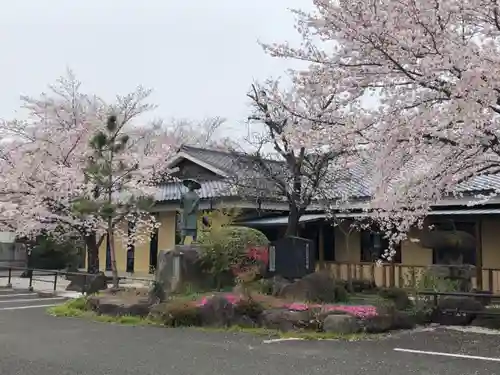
{"type": "Point", "coordinates": [54, 276]}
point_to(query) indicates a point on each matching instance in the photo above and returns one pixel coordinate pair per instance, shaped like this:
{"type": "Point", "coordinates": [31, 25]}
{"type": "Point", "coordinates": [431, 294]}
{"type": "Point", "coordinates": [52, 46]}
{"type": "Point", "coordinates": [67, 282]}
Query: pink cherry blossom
{"type": "Point", "coordinates": [427, 75]}
{"type": "Point", "coordinates": [43, 159]}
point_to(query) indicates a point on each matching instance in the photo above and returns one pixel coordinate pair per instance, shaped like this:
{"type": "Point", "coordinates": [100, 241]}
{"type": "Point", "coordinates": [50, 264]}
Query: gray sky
{"type": "Point", "coordinates": [199, 56]}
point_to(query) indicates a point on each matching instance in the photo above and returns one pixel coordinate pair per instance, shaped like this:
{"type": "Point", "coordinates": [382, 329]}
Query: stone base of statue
{"type": "Point", "coordinates": [178, 269]}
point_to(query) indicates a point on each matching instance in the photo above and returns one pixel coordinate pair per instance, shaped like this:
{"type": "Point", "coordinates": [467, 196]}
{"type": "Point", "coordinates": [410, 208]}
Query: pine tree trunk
{"type": "Point", "coordinates": [114, 270]}
{"type": "Point", "coordinates": [92, 253]}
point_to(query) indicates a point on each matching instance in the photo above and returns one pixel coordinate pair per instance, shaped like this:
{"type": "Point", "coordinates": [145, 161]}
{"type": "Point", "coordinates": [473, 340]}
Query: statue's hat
{"type": "Point", "coordinates": [189, 181]}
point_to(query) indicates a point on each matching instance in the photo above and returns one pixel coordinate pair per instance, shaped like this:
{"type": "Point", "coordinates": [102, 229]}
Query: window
{"type": "Point", "coordinates": [130, 248]}
{"type": "Point", "coordinates": [153, 250]}
{"type": "Point", "coordinates": [108, 254]}
{"type": "Point", "coordinates": [373, 246]}
{"type": "Point", "coordinates": [329, 243]}
{"type": "Point", "coordinates": [451, 252]}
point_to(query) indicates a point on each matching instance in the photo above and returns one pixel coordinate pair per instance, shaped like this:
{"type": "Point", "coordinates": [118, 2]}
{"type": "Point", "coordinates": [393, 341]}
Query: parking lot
{"type": "Point", "coordinates": [33, 342]}
{"type": "Point", "coordinates": [23, 299]}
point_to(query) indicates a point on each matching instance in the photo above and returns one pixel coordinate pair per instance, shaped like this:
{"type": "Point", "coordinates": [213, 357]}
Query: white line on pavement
{"type": "Point", "coordinates": [30, 299]}
{"type": "Point", "coordinates": [16, 295]}
{"type": "Point", "coordinates": [25, 307]}
{"type": "Point", "coordinates": [272, 341]}
{"type": "Point", "coordinates": [448, 355]}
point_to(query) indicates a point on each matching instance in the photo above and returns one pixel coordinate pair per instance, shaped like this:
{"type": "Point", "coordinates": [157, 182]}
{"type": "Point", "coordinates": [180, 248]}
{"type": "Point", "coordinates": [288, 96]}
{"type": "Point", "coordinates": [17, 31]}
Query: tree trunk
{"type": "Point", "coordinates": [292, 228]}
{"type": "Point", "coordinates": [114, 270]}
{"type": "Point", "coordinates": [92, 253]}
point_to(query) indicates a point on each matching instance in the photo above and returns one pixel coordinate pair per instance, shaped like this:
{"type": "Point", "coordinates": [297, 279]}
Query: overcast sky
{"type": "Point", "coordinates": [199, 56]}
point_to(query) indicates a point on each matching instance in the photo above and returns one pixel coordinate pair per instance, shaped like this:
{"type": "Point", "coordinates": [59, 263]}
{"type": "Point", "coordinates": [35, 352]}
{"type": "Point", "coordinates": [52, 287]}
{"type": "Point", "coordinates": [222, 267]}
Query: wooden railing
{"type": "Point", "coordinates": [401, 275]}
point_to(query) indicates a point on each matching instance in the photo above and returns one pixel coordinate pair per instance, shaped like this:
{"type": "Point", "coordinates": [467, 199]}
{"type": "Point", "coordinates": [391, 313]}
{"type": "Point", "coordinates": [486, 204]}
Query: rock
{"type": "Point", "coordinates": [116, 306]}
{"type": "Point", "coordinates": [87, 283]}
{"type": "Point", "coordinates": [218, 312]}
{"type": "Point", "coordinates": [286, 320]}
{"type": "Point", "coordinates": [77, 283]}
{"type": "Point", "coordinates": [96, 283]}
{"type": "Point", "coordinates": [244, 321]}
{"type": "Point", "coordinates": [459, 311]}
{"type": "Point", "coordinates": [343, 324]}
{"type": "Point", "coordinates": [379, 323]}
{"type": "Point", "coordinates": [488, 321]}
{"type": "Point", "coordinates": [315, 287]}
{"type": "Point", "coordinates": [403, 320]}
{"type": "Point", "coordinates": [277, 284]}
{"type": "Point", "coordinates": [180, 267]}
{"type": "Point", "coordinates": [484, 300]}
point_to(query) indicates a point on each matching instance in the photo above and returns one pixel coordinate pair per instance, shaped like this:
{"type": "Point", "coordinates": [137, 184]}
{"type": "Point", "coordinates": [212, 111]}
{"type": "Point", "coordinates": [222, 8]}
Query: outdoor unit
{"type": "Point", "coordinates": [292, 257]}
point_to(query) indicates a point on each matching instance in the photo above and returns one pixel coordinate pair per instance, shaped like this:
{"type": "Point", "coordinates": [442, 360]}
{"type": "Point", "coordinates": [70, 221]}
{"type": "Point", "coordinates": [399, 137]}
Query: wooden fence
{"type": "Point", "coordinates": [401, 275]}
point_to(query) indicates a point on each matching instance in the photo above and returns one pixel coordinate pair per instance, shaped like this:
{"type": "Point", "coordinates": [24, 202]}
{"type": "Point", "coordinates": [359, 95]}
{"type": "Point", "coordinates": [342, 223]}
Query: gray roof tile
{"type": "Point", "coordinates": [355, 182]}
{"type": "Point", "coordinates": [209, 189]}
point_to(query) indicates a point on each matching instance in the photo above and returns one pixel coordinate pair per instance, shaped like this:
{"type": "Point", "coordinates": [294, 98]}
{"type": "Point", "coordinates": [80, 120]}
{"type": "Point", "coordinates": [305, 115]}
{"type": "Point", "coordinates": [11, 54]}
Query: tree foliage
{"type": "Point", "coordinates": [52, 177]}
{"type": "Point", "coordinates": [429, 70]}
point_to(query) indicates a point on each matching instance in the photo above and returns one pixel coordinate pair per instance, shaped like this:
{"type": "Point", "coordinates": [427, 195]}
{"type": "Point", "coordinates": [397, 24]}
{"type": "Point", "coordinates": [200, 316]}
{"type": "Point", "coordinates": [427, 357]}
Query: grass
{"type": "Point", "coordinates": [77, 309]}
{"type": "Point", "coordinates": [304, 335]}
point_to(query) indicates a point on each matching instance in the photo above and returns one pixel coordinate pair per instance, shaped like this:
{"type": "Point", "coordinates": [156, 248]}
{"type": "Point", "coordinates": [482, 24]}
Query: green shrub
{"type": "Point", "coordinates": [227, 246]}
{"type": "Point", "coordinates": [178, 313]}
{"type": "Point", "coordinates": [248, 307]}
{"type": "Point", "coordinates": [398, 296]}
{"type": "Point", "coordinates": [341, 294]}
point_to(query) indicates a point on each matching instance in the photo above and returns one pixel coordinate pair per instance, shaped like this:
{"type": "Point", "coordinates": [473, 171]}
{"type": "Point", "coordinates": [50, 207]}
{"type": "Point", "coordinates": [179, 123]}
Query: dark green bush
{"type": "Point", "coordinates": [361, 285]}
{"type": "Point", "coordinates": [248, 307]}
{"type": "Point", "coordinates": [398, 296]}
{"type": "Point", "coordinates": [178, 314]}
{"type": "Point", "coordinates": [341, 294]}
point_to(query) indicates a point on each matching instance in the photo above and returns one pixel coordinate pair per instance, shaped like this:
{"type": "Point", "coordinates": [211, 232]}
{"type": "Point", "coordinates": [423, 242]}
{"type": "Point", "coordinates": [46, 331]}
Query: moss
{"type": "Point", "coordinates": [77, 308]}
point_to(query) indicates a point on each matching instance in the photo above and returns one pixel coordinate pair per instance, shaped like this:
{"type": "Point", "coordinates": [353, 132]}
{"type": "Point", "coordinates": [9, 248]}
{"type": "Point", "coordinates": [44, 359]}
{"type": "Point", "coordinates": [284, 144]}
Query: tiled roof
{"type": "Point", "coordinates": [209, 189]}
{"type": "Point", "coordinates": [355, 182]}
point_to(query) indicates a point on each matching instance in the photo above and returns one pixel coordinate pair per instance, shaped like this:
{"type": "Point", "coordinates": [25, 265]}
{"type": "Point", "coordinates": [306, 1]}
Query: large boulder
{"type": "Point", "coordinates": [378, 323]}
{"type": "Point", "coordinates": [460, 311]}
{"type": "Point", "coordinates": [179, 267]}
{"type": "Point", "coordinates": [115, 305]}
{"type": "Point", "coordinates": [96, 283]}
{"type": "Point", "coordinates": [491, 321]}
{"type": "Point", "coordinates": [278, 283]}
{"type": "Point", "coordinates": [342, 324]}
{"type": "Point", "coordinates": [87, 283]}
{"type": "Point", "coordinates": [316, 287]}
{"type": "Point", "coordinates": [286, 320]}
{"type": "Point", "coordinates": [218, 312]}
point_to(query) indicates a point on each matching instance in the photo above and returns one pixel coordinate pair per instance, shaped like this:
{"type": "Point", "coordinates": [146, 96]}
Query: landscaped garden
{"type": "Point", "coordinates": [234, 295]}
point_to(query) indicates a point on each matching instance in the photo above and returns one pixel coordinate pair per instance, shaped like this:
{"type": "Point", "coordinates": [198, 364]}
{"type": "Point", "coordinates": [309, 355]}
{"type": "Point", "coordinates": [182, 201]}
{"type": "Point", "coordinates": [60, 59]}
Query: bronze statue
{"type": "Point", "coordinates": [190, 202]}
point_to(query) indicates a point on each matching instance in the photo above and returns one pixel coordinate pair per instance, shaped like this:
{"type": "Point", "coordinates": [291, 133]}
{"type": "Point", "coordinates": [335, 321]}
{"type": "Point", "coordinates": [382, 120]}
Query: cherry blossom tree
{"type": "Point", "coordinates": [289, 158]}
{"type": "Point", "coordinates": [47, 184]}
{"type": "Point", "coordinates": [433, 69]}
{"type": "Point", "coordinates": [209, 132]}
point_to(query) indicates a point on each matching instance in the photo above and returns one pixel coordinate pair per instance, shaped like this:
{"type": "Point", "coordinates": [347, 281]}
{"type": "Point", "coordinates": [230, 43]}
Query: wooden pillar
{"type": "Point", "coordinates": [479, 254]}
{"type": "Point", "coordinates": [321, 246]}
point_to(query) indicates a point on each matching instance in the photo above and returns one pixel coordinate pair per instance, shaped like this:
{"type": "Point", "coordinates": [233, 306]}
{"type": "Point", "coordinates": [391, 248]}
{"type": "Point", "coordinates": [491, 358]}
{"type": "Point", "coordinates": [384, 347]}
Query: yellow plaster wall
{"type": "Point", "coordinates": [166, 232]}
{"type": "Point", "coordinates": [343, 253]}
{"type": "Point", "coordinates": [166, 241]}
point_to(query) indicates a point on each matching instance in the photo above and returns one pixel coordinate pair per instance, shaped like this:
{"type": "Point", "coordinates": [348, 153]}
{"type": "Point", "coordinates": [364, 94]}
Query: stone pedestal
{"type": "Point", "coordinates": [179, 267]}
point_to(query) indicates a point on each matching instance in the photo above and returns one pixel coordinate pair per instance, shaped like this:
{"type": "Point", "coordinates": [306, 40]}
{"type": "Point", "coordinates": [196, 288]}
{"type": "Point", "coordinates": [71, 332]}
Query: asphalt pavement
{"type": "Point", "coordinates": [34, 343]}
{"type": "Point", "coordinates": [22, 299]}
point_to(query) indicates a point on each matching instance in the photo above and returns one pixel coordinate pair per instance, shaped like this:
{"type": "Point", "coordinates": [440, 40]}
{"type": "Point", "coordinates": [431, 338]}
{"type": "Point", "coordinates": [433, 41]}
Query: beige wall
{"type": "Point", "coordinates": [415, 258]}
{"type": "Point", "coordinates": [166, 241]}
